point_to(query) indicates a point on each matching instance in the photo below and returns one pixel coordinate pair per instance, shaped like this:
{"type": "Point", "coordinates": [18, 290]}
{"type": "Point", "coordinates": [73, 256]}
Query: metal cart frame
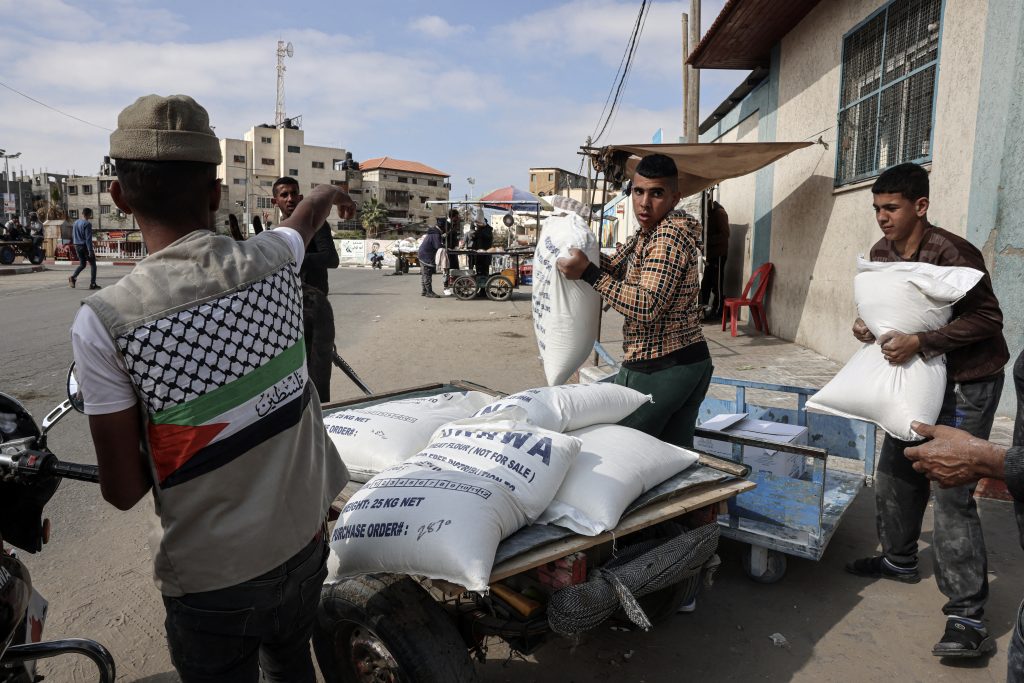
{"type": "Point", "coordinates": [783, 515]}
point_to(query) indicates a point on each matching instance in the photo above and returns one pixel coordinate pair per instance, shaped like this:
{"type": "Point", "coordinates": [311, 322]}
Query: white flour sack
{"type": "Point", "coordinates": [615, 465]}
{"type": "Point", "coordinates": [442, 513]}
{"type": "Point", "coordinates": [375, 438]}
{"type": "Point", "coordinates": [566, 313]}
{"type": "Point", "coordinates": [909, 298]}
{"type": "Point", "coordinates": [572, 406]}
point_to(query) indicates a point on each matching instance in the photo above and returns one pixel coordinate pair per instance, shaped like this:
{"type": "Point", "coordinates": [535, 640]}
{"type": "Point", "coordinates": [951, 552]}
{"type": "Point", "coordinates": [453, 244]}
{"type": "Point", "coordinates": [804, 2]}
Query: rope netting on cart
{"type": "Point", "coordinates": [637, 570]}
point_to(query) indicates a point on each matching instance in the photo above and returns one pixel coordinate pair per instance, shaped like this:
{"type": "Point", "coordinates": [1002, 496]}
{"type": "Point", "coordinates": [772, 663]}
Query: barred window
{"type": "Point", "coordinates": [890, 69]}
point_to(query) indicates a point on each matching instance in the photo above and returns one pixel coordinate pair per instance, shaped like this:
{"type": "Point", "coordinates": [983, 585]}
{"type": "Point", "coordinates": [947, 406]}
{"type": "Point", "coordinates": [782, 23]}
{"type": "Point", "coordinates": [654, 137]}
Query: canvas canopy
{"type": "Point", "coordinates": [701, 165]}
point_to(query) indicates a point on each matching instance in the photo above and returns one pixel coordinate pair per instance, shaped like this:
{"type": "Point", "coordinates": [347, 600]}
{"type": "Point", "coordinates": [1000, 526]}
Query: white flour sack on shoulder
{"type": "Point", "coordinates": [442, 513]}
{"type": "Point", "coordinates": [572, 406]}
{"type": "Point", "coordinates": [374, 438]}
{"type": "Point", "coordinates": [566, 313]}
{"type": "Point", "coordinates": [615, 465]}
{"type": "Point", "coordinates": [908, 298]}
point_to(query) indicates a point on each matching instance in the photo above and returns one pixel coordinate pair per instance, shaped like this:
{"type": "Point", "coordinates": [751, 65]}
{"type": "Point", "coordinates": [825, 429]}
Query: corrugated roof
{"type": "Point", "coordinates": [745, 31]}
{"type": "Point", "coordinates": [399, 165]}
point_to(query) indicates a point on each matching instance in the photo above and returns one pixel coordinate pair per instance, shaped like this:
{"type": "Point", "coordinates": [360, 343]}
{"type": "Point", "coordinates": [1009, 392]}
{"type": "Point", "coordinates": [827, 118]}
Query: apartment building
{"type": "Point", "coordinates": [548, 181]}
{"type": "Point", "coordinates": [405, 187]}
{"type": "Point", "coordinates": [265, 153]}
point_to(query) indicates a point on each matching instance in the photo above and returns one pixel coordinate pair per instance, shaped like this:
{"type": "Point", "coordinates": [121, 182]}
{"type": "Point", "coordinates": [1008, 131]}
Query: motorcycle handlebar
{"type": "Point", "coordinates": [38, 462]}
{"type": "Point", "coordinates": [76, 471]}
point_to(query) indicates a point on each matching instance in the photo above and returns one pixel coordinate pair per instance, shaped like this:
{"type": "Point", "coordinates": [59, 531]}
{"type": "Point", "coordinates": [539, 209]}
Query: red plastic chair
{"type": "Point", "coordinates": [762, 276]}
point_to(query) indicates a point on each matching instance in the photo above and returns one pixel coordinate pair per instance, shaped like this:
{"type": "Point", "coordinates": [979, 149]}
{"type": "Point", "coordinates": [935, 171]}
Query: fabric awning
{"type": "Point", "coordinates": [701, 165]}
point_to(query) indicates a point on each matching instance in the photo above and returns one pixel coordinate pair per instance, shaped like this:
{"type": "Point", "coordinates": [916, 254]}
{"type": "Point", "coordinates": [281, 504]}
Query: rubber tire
{"type": "Point", "coordinates": [6, 255]}
{"type": "Point", "coordinates": [465, 288]}
{"type": "Point", "coordinates": [773, 573]}
{"type": "Point", "coordinates": [498, 288]}
{"type": "Point", "coordinates": [417, 632]}
{"type": "Point", "coordinates": [36, 256]}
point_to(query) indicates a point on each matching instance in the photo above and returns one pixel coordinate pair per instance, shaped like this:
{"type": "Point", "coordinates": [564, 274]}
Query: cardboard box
{"type": "Point", "coordinates": [763, 460]}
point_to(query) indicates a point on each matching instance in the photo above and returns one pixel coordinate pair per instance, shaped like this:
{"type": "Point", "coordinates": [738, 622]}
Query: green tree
{"type": "Point", "coordinates": [373, 217]}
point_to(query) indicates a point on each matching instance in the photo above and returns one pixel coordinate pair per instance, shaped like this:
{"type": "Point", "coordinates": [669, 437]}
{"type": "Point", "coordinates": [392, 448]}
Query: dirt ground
{"type": "Point", "coordinates": [96, 572]}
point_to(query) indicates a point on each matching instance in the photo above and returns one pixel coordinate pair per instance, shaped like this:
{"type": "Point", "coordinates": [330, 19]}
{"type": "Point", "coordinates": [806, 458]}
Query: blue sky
{"type": "Point", "coordinates": [476, 89]}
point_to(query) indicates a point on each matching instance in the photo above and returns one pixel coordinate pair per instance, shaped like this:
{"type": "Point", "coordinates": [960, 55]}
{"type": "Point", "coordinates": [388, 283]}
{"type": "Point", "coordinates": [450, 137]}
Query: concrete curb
{"type": "Point", "coordinates": [21, 270]}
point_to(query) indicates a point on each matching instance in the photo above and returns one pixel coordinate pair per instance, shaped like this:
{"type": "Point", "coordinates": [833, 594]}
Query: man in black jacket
{"type": "Point", "coordinates": [318, 316]}
{"type": "Point", "coordinates": [481, 239]}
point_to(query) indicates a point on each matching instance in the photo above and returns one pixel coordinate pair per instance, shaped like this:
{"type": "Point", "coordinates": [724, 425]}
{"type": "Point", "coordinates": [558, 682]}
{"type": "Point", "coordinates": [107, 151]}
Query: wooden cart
{"type": "Point", "coordinates": [393, 627]}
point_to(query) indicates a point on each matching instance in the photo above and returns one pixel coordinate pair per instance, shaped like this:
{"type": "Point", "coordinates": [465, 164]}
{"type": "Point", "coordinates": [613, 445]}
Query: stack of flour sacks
{"type": "Point", "coordinates": [447, 477]}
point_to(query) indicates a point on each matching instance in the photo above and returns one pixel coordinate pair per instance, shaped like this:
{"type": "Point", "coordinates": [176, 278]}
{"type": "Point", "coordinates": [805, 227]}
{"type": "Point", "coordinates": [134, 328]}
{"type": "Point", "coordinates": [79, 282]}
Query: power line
{"type": "Point", "coordinates": [62, 113]}
{"type": "Point", "coordinates": [631, 46]}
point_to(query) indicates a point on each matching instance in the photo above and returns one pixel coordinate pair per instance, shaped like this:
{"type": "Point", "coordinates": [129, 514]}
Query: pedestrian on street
{"type": "Point", "coordinates": [81, 236]}
{"type": "Point", "coordinates": [427, 255]}
{"type": "Point", "coordinates": [317, 314]}
{"type": "Point", "coordinates": [954, 458]}
{"type": "Point", "coordinates": [652, 282]}
{"type": "Point", "coordinates": [196, 388]}
{"type": "Point", "coordinates": [976, 353]}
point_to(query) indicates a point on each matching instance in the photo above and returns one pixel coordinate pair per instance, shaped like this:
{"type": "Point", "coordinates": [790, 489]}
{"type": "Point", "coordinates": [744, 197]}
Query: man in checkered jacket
{"type": "Point", "coordinates": [653, 282]}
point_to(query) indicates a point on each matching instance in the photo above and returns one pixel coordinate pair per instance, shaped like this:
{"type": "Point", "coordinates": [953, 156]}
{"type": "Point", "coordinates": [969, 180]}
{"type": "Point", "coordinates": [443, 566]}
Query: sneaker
{"type": "Point", "coordinates": [94, 286]}
{"type": "Point", "coordinates": [431, 295]}
{"type": "Point", "coordinates": [879, 567]}
{"type": "Point", "coordinates": [688, 607]}
{"type": "Point", "coordinates": [963, 639]}
{"type": "Point", "coordinates": [71, 282]}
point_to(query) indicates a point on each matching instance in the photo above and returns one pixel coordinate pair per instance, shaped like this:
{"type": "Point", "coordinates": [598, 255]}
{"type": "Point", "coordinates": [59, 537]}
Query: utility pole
{"type": "Point", "coordinates": [693, 75]}
{"type": "Point", "coordinates": [686, 77]}
{"type": "Point", "coordinates": [7, 175]}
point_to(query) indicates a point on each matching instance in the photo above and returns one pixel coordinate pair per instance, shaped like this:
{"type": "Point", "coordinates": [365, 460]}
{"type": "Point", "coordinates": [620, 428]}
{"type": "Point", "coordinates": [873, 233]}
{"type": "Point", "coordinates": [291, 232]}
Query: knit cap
{"type": "Point", "coordinates": [174, 128]}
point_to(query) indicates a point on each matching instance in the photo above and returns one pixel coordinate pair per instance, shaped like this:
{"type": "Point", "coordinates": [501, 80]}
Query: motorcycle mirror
{"type": "Point", "coordinates": [75, 390]}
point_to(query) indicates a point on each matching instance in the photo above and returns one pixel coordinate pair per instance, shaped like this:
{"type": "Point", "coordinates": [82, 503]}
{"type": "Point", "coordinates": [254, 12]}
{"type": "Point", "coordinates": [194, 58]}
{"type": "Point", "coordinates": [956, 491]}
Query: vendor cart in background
{"type": "Point", "coordinates": [505, 274]}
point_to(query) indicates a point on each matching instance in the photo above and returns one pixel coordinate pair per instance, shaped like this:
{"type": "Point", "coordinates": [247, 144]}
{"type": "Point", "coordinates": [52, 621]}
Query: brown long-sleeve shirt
{"type": "Point", "coordinates": [973, 340]}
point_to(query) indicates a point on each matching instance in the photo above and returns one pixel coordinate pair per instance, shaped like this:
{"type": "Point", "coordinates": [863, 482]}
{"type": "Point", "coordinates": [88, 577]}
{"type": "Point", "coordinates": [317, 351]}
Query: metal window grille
{"type": "Point", "coordinates": [890, 64]}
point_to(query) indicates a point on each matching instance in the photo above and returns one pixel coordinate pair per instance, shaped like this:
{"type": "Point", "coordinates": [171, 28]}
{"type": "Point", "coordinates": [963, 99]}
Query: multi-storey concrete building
{"type": "Point", "coordinates": [94, 192]}
{"type": "Point", "coordinates": [548, 181]}
{"type": "Point", "coordinates": [252, 164]}
{"type": "Point", "coordinates": [405, 187]}
{"type": "Point", "coordinates": [43, 186]}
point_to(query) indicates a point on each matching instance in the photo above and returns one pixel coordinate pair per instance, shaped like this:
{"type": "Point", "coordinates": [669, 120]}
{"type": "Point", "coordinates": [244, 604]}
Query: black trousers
{"type": "Point", "coordinates": [229, 635]}
{"type": "Point", "coordinates": [318, 334]}
{"type": "Point", "coordinates": [901, 496]}
{"type": "Point", "coordinates": [712, 284]}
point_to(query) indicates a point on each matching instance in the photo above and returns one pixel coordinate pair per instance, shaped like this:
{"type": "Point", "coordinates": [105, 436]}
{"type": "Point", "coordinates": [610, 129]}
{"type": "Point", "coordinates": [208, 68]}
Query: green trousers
{"type": "Point", "coordinates": [678, 392]}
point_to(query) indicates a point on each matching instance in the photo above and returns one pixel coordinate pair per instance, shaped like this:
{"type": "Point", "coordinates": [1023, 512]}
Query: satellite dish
{"type": "Point", "coordinates": [289, 50]}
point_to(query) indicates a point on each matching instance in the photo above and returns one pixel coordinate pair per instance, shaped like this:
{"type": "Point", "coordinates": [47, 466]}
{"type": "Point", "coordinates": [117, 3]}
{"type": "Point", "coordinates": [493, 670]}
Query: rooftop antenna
{"type": "Point", "coordinates": [283, 50]}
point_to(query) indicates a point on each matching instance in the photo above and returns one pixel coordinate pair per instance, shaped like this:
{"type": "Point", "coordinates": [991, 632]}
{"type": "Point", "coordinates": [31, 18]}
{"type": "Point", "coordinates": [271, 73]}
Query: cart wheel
{"type": "Point", "coordinates": [764, 565]}
{"type": "Point", "coordinates": [498, 288]}
{"type": "Point", "coordinates": [6, 255]}
{"type": "Point", "coordinates": [465, 287]}
{"type": "Point", "coordinates": [384, 627]}
{"type": "Point", "coordinates": [36, 256]}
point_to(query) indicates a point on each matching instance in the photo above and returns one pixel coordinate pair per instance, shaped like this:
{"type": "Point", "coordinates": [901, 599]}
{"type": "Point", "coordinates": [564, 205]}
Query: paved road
{"type": "Point", "coordinates": [96, 571]}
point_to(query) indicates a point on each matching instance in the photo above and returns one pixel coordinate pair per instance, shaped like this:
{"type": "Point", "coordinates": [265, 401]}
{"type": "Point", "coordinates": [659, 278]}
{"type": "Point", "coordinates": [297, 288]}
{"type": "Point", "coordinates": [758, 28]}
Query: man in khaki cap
{"type": "Point", "coordinates": [194, 375]}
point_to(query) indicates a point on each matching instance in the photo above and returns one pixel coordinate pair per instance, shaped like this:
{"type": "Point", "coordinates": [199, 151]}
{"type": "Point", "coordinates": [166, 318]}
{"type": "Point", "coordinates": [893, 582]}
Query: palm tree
{"type": "Point", "coordinates": [373, 215]}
